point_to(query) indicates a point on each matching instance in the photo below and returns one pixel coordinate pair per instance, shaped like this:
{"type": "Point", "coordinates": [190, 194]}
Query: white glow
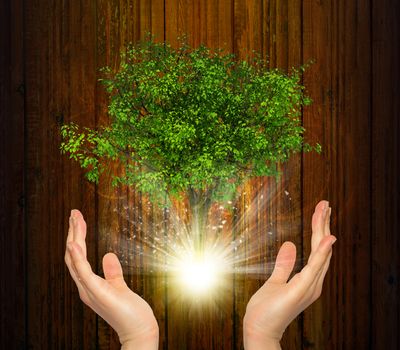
{"type": "Point", "coordinates": [199, 274]}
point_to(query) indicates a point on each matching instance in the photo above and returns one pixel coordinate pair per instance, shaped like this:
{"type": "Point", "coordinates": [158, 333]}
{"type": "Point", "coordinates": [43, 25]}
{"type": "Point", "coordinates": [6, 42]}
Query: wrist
{"type": "Point", "coordinates": [261, 344]}
{"type": "Point", "coordinates": [255, 340]}
{"type": "Point", "coordinates": [258, 342]}
{"type": "Point", "coordinates": [145, 341]}
{"type": "Point", "coordinates": [150, 344]}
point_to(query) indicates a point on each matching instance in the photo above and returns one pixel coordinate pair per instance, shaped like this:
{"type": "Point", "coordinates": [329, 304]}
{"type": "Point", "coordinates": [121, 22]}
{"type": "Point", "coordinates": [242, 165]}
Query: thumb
{"type": "Point", "coordinates": [112, 267]}
{"type": "Point", "coordinates": [284, 263]}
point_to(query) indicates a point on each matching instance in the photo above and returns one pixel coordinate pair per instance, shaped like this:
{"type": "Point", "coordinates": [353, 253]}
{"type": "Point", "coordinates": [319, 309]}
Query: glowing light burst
{"type": "Point", "coordinates": [200, 273]}
{"type": "Point", "coordinates": [202, 266]}
{"type": "Point", "coordinates": [197, 270]}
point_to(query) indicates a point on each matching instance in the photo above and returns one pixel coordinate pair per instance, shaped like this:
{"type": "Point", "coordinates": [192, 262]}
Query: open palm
{"type": "Point", "coordinates": [278, 302]}
{"type": "Point", "coordinates": [110, 297]}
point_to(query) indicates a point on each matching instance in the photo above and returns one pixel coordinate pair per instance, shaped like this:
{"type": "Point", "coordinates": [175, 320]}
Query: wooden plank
{"type": "Point", "coordinates": [120, 209]}
{"type": "Point", "coordinates": [385, 308]}
{"type": "Point", "coordinates": [317, 170]}
{"type": "Point", "coordinates": [63, 51]}
{"type": "Point", "coordinates": [171, 22]}
{"type": "Point", "coordinates": [280, 217]}
{"type": "Point", "coordinates": [286, 51]}
{"type": "Point", "coordinates": [158, 19]}
{"type": "Point", "coordinates": [113, 29]}
{"type": "Point", "coordinates": [153, 281]}
{"type": "Point", "coordinates": [203, 21]}
{"type": "Point", "coordinates": [247, 27]}
{"type": "Point", "coordinates": [248, 36]}
{"type": "Point", "coordinates": [225, 25]}
{"type": "Point", "coordinates": [355, 156]}
{"type": "Point", "coordinates": [181, 19]}
{"type": "Point", "coordinates": [12, 226]}
{"type": "Point", "coordinates": [75, 55]}
{"type": "Point", "coordinates": [36, 282]}
{"type": "Point", "coordinates": [278, 207]}
{"type": "Point", "coordinates": [343, 131]}
{"type": "Point", "coordinates": [52, 67]}
{"type": "Point", "coordinates": [207, 22]}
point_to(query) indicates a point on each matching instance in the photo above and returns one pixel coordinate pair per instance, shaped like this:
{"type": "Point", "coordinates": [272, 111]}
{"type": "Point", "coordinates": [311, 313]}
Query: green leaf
{"type": "Point", "coordinates": [192, 118]}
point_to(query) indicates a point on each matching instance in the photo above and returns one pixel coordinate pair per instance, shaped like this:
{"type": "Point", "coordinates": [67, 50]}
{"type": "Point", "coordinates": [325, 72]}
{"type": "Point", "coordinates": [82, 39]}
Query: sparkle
{"type": "Point", "coordinates": [201, 266]}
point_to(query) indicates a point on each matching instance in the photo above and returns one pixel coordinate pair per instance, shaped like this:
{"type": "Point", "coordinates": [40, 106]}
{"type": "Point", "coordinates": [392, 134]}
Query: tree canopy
{"type": "Point", "coordinates": [192, 119]}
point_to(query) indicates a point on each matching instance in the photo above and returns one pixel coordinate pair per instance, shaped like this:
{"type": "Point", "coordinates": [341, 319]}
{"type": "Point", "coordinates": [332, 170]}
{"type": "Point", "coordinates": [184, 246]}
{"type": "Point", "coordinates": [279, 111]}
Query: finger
{"type": "Point", "coordinates": [311, 271]}
{"type": "Point", "coordinates": [284, 264]}
{"type": "Point", "coordinates": [83, 294]}
{"type": "Point", "coordinates": [322, 273]}
{"type": "Point", "coordinates": [317, 261]}
{"type": "Point", "coordinates": [83, 270]}
{"type": "Point", "coordinates": [71, 268]}
{"type": "Point", "coordinates": [314, 292]}
{"type": "Point", "coordinates": [318, 224]}
{"type": "Point", "coordinates": [327, 229]}
{"type": "Point", "coordinates": [326, 223]}
{"type": "Point", "coordinates": [70, 235]}
{"type": "Point", "coordinates": [70, 238]}
{"type": "Point", "coordinates": [321, 277]}
{"type": "Point", "coordinates": [79, 229]}
{"type": "Point", "coordinates": [112, 269]}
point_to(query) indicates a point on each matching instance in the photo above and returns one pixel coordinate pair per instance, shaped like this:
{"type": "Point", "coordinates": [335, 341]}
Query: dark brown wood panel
{"type": "Point", "coordinates": [317, 174]}
{"type": "Point", "coordinates": [122, 214]}
{"type": "Point", "coordinates": [354, 175]}
{"type": "Point", "coordinates": [61, 73]}
{"type": "Point", "coordinates": [209, 23]}
{"type": "Point", "coordinates": [49, 75]}
{"type": "Point", "coordinates": [247, 36]}
{"type": "Point", "coordinates": [285, 53]}
{"type": "Point", "coordinates": [340, 85]}
{"type": "Point", "coordinates": [385, 264]}
{"type": "Point", "coordinates": [12, 225]}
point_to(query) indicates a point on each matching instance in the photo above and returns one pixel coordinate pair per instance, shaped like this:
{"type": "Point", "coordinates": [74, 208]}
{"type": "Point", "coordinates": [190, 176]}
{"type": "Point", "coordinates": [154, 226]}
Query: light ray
{"type": "Point", "coordinates": [229, 247]}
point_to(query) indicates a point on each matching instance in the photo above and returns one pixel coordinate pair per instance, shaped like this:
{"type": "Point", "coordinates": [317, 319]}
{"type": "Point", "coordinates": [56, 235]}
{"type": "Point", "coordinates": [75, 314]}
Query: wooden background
{"type": "Point", "coordinates": [50, 55]}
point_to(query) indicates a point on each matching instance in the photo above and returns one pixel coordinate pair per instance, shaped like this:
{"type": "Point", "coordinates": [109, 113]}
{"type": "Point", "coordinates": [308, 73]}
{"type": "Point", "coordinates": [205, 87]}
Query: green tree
{"type": "Point", "coordinates": [192, 121]}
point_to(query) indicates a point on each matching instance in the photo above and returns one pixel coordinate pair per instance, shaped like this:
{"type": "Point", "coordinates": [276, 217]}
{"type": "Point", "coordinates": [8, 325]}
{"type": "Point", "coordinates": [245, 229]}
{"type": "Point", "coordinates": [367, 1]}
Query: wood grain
{"type": "Point", "coordinates": [49, 75]}
{"type": "Point", "coordinates": [317, 169]}
{"type": "Point", "coordinates": [339, 83]}
{"type": "Point", "coordinates": [385, 259]}
{"type": "Point", "coordinates": [286, 52]}
{"type": "Point", "coordinates": [61, 72]}
{"type": "Point", "coordinates": [12, 201]}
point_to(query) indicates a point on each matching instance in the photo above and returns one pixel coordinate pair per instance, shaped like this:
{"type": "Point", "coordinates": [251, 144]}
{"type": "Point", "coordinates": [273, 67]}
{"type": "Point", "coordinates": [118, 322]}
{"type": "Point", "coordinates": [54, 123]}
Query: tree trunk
{"type": "Point", "coordinates": [200, 204]}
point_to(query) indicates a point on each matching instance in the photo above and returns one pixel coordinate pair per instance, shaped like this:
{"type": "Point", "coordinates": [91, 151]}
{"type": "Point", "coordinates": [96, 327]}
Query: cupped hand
{"type": "Point", "coordinates": [278, 302]}
{"type": "Point", "coordinates": [130, 316]}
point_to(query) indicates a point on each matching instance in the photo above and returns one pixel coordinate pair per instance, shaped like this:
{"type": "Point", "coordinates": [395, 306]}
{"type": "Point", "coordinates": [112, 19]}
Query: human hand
{"type": "Point", "coordinates": [278, 302]}
{"type": "Point", "coordinates": [130, 316]}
